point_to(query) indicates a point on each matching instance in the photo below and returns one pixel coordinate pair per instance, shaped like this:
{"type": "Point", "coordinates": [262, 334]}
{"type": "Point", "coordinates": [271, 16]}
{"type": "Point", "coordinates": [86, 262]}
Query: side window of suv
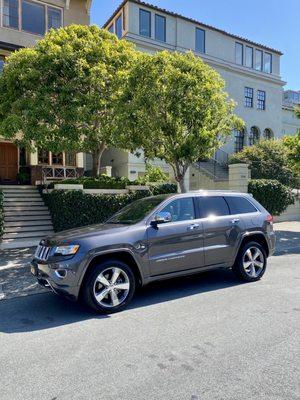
{"type": "Point", "coordinates": [213, 206]}
{"type": "Point", "coordinates": [181, 209]}
{"type": "Point", "coordinates": [240, 205]}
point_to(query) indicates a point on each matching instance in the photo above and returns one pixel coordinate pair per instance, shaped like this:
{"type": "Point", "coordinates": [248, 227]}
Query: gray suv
{"type": "Point", "coordinates": [156, 238]}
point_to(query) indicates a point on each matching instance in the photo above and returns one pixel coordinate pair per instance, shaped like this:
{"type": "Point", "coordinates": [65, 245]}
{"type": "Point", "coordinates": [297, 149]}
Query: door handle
{"type": "Point", "coordinates": [193, 227]}
{"type": "Point", "coordinates": [235, 221]}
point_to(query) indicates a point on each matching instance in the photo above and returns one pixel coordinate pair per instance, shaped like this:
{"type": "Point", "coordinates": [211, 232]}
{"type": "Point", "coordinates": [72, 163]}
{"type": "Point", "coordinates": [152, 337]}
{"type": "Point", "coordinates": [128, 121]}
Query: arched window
{"type": "Point", "coordinates": [254, 136]}
{"type": "Point", "coordinates": [268, 134]}
{"type": "Point", "coordinates": [239, 139]}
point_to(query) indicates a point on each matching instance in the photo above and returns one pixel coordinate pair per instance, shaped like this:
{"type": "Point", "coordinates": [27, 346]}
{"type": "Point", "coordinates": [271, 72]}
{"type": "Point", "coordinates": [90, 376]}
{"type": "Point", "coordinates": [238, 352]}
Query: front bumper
{"type": "Point", "coordinates": [60, 284]}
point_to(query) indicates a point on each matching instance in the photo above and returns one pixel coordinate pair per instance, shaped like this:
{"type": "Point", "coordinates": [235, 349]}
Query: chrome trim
{"type": "Point", "coordinates": [42, 253]}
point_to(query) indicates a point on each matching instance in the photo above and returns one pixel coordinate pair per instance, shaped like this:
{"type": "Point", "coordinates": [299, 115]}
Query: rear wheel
{"type": "Point", "coordinates": [251, 262]}
{"type": "Point", "coordinates": [109, 287]}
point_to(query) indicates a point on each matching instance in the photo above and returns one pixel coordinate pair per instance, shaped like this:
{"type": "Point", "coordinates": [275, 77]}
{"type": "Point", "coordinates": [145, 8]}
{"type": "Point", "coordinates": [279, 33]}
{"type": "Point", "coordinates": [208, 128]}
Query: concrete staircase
{"type": "Point", "coordinates": [26, 218]}
{"type": "Point", "coordinates": [213, 170]}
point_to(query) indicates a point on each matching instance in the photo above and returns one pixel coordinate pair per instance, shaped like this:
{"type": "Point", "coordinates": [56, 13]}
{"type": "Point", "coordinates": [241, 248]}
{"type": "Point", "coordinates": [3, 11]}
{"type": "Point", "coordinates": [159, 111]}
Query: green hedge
{"type": "Point", "coordinates": [1, 215]}
{"type": "Point", "coordinates": [103, 182]}
{"type": "Point", "coordinates": [272, 195]}
{"type": "Point", "coordinates": [71, 209]}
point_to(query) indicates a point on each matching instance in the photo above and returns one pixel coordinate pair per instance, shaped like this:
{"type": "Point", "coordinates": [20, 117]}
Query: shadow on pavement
{"type": "Point", "coordinates": [47, 310]}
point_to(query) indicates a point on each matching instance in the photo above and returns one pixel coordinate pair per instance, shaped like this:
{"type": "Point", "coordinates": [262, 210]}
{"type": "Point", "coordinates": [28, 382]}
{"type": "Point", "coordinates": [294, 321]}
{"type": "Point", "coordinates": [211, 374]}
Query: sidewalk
{"type": "Point", "coordinates": [16, 280]}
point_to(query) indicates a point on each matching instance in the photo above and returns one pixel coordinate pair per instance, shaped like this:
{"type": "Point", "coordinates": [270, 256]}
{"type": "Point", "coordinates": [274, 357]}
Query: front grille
{"type": "Point", "coordinates": [42, 252]}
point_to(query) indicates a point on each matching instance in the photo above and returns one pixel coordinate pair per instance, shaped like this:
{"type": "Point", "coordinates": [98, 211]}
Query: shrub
{"type": "Point", "coordinates": [1, 215]}
{"type": "Point", "coordinates": [272, 195]}
{"type": "Point", "coordinates": [153, 174]}
{"type": "Point", "coordinates": [268, 159]}
{"type": "Point", "coordinates": [71, 209]}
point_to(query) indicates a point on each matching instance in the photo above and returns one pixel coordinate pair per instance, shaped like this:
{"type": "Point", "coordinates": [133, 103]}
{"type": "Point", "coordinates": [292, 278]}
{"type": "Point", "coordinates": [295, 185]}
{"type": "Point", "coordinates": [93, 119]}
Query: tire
{"type": "Point", "coordinates": [105, 292]}
{"type": "Point", "coordinates": [251, 262]}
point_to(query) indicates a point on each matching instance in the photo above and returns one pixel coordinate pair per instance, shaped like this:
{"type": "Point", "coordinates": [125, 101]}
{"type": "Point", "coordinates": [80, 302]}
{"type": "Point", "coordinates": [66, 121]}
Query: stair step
{"type": "Point", "coordinates": [27, 228]}
{"type": "Point", "coordinates": [24, 195]}
{"type": "Point", "coordinates": [27, 213]}
{"type": "Point", "coordinates": [21, 204]}
{"type": "Point", "coordinates": [12, 187]}
{"type": "Point", "coordinates": [27, 218]}
{"type": "Point", "coordinates": [20, 235]}
{"type": "Point", "coordinates": [17, 200]}
{"type": "Point", "coordinates": [21, 209]}
{"type": "Point", "coordinates": [28, 223]}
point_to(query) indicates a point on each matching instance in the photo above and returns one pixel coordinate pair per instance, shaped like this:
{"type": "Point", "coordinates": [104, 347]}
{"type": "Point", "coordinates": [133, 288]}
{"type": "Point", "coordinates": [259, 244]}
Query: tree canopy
{"type": "Point", "coordinates": [175, 108]}
{"type": "Point", "coordinates": [61, 94]}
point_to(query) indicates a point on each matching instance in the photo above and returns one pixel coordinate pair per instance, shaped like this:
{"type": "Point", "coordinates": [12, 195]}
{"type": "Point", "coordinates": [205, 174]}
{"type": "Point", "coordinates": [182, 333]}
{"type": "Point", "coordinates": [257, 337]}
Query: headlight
{"type": "Point", "coordinates": [66, 250]}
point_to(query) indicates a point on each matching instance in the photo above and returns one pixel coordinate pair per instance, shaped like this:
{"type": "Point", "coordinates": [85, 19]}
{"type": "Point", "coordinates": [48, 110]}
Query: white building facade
{"type": "Point", "coordinates": [251, 71]}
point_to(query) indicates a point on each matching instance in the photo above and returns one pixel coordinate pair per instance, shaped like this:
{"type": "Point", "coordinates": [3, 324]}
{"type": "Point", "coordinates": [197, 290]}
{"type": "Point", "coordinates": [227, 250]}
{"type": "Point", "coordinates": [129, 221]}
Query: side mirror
{"type": "Point", "coordinates": [161, 218]}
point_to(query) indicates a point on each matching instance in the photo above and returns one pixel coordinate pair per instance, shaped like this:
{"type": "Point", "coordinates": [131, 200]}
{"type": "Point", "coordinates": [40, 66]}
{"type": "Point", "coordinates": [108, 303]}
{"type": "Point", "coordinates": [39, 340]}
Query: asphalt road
{"type": "Point", "coordinates": [201, 338]}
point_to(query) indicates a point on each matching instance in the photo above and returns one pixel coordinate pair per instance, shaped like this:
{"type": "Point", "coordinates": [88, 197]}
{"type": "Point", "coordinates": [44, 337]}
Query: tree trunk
{"type": "Point", "coordinates": [179, 173]}
{"type": "Point", "coordinates": [97, 154]}
{"type": "Point", "coordinates": [181, 184]}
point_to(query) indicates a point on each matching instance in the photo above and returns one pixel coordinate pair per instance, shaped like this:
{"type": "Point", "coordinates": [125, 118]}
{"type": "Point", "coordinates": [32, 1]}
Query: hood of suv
{"type": "Point", "coordinates": [74, 234]}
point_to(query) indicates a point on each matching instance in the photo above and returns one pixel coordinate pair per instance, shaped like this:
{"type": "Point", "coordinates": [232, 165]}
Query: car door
{"type": "Point", "coordinates": [221, 230]}
{"type": "Point", "coordinates": [177, 245]}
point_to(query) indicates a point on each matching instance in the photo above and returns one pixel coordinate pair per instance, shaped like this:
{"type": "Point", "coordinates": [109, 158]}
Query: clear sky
{"type": "Point", "coordinates": [275, 23]}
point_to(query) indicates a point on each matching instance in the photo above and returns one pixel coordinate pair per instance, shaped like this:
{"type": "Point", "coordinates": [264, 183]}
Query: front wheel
{"type": "Point", "coordinates": [251, 262]}
{"type": "Point", "coordinates": [109, 287]}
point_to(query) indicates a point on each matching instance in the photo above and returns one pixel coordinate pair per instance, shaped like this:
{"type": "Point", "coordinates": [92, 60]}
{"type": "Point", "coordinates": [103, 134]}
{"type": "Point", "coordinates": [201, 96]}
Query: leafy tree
{"type": "Point", "coordinates": [268, 159]}
{"type": "Point", "coordinates": [176, 109]}
{"type": "Point", "coordinates": [61, 94]}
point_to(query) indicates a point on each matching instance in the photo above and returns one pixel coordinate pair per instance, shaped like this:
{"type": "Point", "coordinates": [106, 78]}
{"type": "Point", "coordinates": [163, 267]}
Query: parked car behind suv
{"type": "Point", "coordinates": [157, 238]}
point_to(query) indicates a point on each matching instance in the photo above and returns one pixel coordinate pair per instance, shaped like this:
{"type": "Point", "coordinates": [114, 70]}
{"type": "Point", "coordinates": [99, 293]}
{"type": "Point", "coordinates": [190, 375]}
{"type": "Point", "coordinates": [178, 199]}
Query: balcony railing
{"type": "Point", "coordinates": [50, 173]}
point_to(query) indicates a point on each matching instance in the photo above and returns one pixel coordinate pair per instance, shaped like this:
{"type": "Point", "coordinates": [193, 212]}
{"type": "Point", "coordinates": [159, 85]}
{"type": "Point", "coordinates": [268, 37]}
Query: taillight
{"type": "Point", "coordinates": [270, 219]}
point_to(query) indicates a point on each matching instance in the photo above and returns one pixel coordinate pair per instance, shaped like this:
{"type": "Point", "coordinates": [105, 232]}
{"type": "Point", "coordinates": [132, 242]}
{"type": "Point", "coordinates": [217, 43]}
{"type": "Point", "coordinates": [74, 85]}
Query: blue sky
{"type": "Point", "coordinates": [271, 22]}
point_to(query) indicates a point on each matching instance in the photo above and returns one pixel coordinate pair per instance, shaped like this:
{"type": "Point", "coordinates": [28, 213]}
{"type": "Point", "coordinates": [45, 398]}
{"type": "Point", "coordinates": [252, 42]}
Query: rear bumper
{"type": "Point", "coordinates": [271, 239]}
{"type": "Point", "coordinates": [48, 277]}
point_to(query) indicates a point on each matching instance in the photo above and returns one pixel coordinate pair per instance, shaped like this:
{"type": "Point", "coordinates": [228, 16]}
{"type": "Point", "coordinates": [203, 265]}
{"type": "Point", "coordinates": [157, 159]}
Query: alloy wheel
{"type": "Point", "coordinates": [111, 287]}
{"type": "Point", "coordinates": [253, 262]}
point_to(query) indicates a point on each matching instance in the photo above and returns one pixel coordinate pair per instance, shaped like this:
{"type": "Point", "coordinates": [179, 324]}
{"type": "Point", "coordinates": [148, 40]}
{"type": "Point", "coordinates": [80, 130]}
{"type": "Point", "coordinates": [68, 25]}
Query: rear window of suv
{"type": "Point", "coordinates": [213, 206]}
{"type": "Point", "coordinates": [240, 205]}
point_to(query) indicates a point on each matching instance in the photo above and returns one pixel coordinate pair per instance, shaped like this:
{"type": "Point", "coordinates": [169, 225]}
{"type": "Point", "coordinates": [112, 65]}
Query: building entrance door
{"type": "Point", "coordinates": [8, 162]}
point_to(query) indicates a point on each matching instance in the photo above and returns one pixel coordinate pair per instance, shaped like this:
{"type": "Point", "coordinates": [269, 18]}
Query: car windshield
{"type": "Point", "coordinates": [136, 211]}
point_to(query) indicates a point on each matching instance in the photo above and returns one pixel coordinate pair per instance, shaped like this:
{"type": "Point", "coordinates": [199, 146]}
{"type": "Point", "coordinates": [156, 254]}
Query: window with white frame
{"type": "Point", "coordinates": [118, 27]}
{"type": "Point", "coordinates": [200, 40]}
{"type": "Point", "coordinates": [258, 60]}
{"type": "Point", "coordinates": [248, 102]}
{"type": "Point", "coordinates": [239, 137]}
{"type": "Point", "coordinates": [160, 28]}
{"type": "Point", "coordinates": [249, 57]}
{"type": "Point", "coordinates": [145, 23]}
{"type": "Point", "coordinates": [261, 100]}
{"type": "Point", "coordinates": [268, 63]}
{"type": "Point", "coordinates": [30, 16]}
{"type": "Point", "coordinates": [239, 53]}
